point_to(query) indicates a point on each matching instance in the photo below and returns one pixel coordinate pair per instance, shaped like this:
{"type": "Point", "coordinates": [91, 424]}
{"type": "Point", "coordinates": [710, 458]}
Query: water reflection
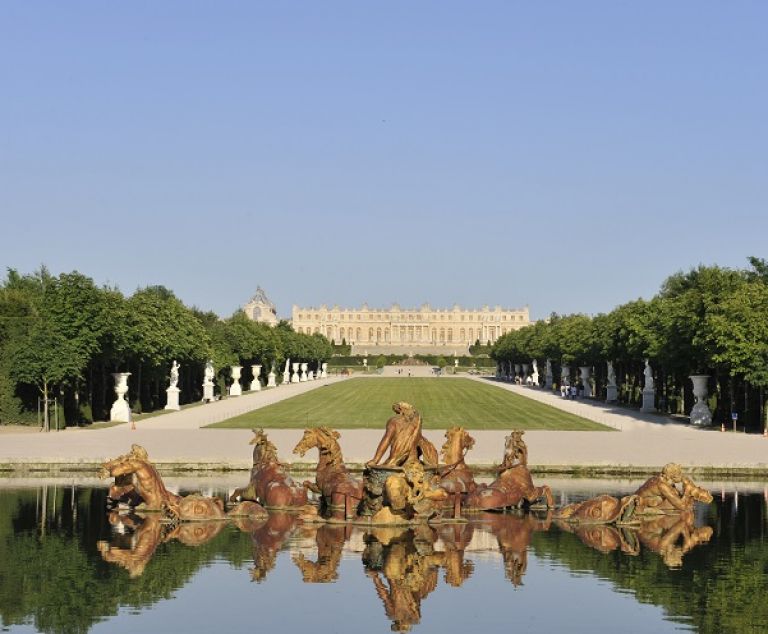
{"type": "Point", "coordinates": [60, 537]}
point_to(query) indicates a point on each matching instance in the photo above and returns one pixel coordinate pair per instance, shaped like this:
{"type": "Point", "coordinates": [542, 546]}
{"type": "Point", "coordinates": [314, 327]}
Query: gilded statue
{"type": "Point", "coordinates": [456, 476]}
{"type": "Point", "coordinates": [404, 440]}
{"type": "Point", "coordinates": [137, 480]}
{"type": "Point", "coordinates": [669, 492]}
{"type": "Point", "coordinates": [513, 487]}
{"type": "Point", "coordinates": [340, 492]}
{"type": "Point", "coordinates": [145, 481]}
{"type": "Point", "coordinates": [270, 485]}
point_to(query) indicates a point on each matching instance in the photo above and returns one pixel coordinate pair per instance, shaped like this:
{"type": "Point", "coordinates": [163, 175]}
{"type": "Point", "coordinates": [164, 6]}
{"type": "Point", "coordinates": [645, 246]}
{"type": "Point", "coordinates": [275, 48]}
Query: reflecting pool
{"type": "Point", "coordinates": [66, 565]}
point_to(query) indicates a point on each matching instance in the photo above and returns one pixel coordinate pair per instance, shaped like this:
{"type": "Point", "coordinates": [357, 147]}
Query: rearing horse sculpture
{"type": "Point", "coordinates": [270, 485]}
{"type": "Point", "coordinates": [455, 476]}
{"type": "Point", "coordinates": [337, 488]}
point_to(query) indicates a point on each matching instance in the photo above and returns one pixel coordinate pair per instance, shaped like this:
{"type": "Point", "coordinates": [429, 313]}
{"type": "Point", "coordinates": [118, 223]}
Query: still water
{"type": "Point", "coordinates": [68, 566]}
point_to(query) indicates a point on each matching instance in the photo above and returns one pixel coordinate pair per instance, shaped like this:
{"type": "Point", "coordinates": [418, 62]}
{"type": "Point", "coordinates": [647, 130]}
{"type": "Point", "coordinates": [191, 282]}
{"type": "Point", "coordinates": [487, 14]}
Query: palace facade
{"type": "Point", "coordinates": [409, 330]}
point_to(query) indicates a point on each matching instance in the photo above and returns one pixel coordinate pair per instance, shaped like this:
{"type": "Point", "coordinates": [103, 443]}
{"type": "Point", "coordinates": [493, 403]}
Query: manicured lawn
{"type": "Point", "coordinates": [443, 402]}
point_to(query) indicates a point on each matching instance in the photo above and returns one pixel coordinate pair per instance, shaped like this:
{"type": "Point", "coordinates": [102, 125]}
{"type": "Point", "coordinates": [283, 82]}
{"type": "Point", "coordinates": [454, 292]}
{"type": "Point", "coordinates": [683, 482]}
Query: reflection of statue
{"type": "Point", "coordinates": [175, 374]}
{"type": "Point", "coordinates": [514, 486]}
{"type": "Point", "coordinates": [604, 537]}
{"type": "Point", "coordinates": [514, 533]}
{"type": "Point", "coordinates": [409, 569]}
{"type": "Point", "coordinates": [330, 542]}
{"type": "Point", "coordinates": [149, 533]}
{"type": "Point", "coordinates": [404, 440]}
{"type": "Point", "coordinates": [663, 535]}
{"type": "Point", "coordinates": [648, 374]}
{"type": "Point", "coordinates": [341, 493]}
{"type": "Point", "coordinates": [270, 484]}
{"type": "Point", "coordinates": [266, 542]}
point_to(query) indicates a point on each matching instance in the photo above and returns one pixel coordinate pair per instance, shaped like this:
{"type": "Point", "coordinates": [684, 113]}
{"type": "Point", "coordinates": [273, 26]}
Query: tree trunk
{"type": "Point", "coordinates": [46, 421]}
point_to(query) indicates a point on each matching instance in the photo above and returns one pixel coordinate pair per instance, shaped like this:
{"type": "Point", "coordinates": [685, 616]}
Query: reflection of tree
{"type": "Point", "coordinates": [67, 587]}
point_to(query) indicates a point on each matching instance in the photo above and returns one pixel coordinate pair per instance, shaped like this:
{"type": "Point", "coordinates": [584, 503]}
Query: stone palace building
{"type": "Point", "coordinates": [397, 330]}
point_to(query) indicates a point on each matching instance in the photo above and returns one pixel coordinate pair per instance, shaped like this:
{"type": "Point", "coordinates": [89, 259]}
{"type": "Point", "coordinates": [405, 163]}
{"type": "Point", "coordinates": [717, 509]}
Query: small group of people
{"type": "Point", "coordinates": [571, 391]}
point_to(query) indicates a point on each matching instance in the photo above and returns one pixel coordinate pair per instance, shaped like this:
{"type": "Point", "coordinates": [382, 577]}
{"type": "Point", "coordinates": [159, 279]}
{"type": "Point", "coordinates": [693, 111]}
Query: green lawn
{"type": "Point", "coordinates": [367, 402]}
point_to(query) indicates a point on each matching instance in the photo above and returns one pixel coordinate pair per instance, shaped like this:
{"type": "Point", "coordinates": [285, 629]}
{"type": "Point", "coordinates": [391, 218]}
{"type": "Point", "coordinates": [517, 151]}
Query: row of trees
{"type": "Point", "coordinates": [710, 320]}
{"type": "Point", "coordinates": [62, 336]}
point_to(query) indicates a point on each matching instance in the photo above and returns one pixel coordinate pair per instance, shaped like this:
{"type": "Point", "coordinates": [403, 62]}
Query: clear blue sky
{"type": "Point", "coordinates": [565, 155]}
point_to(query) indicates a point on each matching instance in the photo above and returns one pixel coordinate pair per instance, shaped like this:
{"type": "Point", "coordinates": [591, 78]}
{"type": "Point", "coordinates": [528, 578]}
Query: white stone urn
{"type": "Point", "coordinates": [256, 383]}
{"type": "Point", "coordinates": [120, 412]}
{"type": "Point", "coordinates": [303, 374]}
{"type": "Point", "coordinates": [325, 371]}
{"type": "Point", "coordinates": [236, 389]}
{"type": "Point", "coordinates": [585, 372]}
{"type": "Point", "coordinates": [701, 416]}
{"type": "Point", "coordinates": [295, 378]}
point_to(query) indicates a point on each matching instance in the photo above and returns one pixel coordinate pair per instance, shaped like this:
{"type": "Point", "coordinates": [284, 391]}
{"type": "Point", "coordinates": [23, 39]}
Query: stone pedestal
{"type": "Point", "coordinates": [295, 378]}
{"type": "Point", "coordinates": [121, 411]}
{"type": "Point", "coordinates": [649, 398]}
{"type": "Point", "coordinates": [271, 382]}
{"type": "Point", "coordinates": [172, 400]}
{"type": "Point", "coordinates": [236, 389]}
{"type": "Point", "coordinates": [325, 371]}
{"type": "Point", "coordinates": [256, 383]}
{"type": "Point", "coordinates": [207, 392]}
{"type": "Point", "coordinates": [701, 416]}
{"type": "Point", "coordinates": [611, 394]}
{"type": "Point", "coordinates": [585, 372]}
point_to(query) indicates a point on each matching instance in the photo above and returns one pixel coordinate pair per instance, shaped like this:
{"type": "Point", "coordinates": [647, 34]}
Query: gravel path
{"type": "Point", "coordinates": [175, 440]}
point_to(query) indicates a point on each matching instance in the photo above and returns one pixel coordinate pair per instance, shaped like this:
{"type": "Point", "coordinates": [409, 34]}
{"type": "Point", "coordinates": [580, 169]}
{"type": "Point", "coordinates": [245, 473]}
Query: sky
{"type": "Point", "coordinates": [568, 156]}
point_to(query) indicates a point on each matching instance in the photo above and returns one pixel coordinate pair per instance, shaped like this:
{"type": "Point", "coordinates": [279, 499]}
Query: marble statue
{"type": "Point", "coordinates": [649, 392]}
{"type": "Point", "coordinates": [208, 382]}
{"type": "Point", "coordinates": [172, 392]}
{"type": "Point", "coordinates": [175, 374]}
{"type": "Point", "coordinates": [611, 390]}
